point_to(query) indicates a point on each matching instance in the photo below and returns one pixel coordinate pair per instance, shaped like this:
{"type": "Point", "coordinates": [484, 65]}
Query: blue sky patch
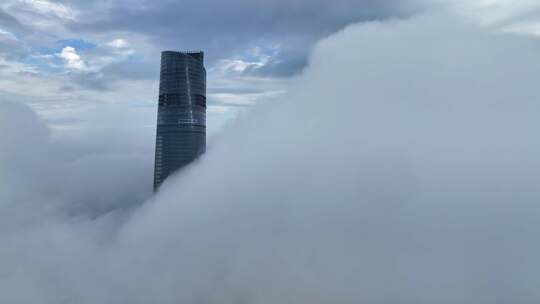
{"type": "Point", "coordinates": [78, 44]}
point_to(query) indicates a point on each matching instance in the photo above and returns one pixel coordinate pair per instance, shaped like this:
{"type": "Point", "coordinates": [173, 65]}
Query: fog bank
{"type": "Point", "coordinates": [402, 167]}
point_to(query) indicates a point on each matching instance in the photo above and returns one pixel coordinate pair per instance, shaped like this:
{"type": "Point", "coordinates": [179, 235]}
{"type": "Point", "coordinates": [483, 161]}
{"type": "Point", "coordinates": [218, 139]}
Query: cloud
{"type": "Point", "coordinates": [44, 7]}
{"type": "Point", "coordinates": [9, 22]}
{"type": "Point", "coordinates": [400, 167]}
{"type": "Point", "coordinates": [118, 43]}
{"type": "Point", "coordinates": [528, 28]}
{"type": "Point", "coordinates": [126, 44]}
{"type": "Point", "coordinates": [72, 59]}
{"type": "Point", "coordinates": [98, 58]}
{"type": "Point", "coordinates": [496, 13]}
{"type": "Point", "coordinates": [241, 25]}
{"type": "Point", "coordinates": [65, 174]}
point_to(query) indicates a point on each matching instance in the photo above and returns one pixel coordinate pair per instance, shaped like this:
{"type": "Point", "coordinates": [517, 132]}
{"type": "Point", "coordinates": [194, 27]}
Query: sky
{"type": "Point", "coordinates": [72, 59]}
{"type": "Point", "coordinates": [385, 154]}
{"type": "Point", "coordinates": [75, 62]}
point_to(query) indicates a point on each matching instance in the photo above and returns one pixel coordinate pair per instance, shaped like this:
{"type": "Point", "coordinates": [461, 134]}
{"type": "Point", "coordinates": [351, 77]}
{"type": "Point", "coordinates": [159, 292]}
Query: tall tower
{"type": "Point", "coordinates": [181, 121]}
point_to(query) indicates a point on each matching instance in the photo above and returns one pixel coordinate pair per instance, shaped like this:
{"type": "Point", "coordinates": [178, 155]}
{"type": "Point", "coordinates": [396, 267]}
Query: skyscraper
{"type": "Point", "coordinates": [181, 121]}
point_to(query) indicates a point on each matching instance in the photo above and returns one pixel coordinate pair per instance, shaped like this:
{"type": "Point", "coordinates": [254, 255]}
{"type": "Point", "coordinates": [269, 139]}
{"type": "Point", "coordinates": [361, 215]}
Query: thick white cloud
{"type": "Point", "coordinates": [400, 168]}
{"type": "Point", "coordinates": [72, 59]}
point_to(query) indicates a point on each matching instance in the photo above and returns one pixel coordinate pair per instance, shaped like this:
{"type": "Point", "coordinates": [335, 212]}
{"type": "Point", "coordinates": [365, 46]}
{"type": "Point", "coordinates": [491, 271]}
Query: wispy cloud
{"type": "Point", "coordinates": [43, 7]}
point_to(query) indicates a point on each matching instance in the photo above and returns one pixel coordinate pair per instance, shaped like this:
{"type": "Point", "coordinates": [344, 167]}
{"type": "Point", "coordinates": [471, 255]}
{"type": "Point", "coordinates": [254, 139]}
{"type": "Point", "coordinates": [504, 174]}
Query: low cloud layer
{"type": "Point", "coordinates": [94, 173]}
{"type": "Point", "coordinates": [400, 168]}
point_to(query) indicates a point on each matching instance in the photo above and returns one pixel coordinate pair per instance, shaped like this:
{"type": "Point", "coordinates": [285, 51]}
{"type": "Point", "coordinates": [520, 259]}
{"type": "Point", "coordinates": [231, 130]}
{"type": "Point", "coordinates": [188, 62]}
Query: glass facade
{"type": "Point", "coordinates": [181, 121]}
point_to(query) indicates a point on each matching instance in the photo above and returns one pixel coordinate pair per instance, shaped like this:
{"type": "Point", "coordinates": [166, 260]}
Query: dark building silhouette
{"type": "Point", "coordinates": [181, 121]}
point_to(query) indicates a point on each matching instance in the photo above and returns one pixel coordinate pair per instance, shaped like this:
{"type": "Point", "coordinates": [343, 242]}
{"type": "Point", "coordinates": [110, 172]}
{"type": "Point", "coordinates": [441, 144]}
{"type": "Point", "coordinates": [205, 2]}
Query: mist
{"type": "Point", "coordinates": [401, 167]}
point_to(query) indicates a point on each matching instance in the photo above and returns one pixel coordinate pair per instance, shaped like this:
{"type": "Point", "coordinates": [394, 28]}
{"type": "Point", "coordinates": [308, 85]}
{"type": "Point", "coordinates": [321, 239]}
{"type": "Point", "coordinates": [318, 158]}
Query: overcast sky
{"type": "Point", "coordinates": [77, 61]}
{"type": "Point", "coordinates": [71, 58]}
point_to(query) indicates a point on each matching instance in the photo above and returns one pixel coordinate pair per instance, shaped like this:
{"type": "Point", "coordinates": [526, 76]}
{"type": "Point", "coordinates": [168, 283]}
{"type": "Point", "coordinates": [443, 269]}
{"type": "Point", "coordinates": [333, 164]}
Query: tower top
{"type": "Point", "coordinates": [199, 55]}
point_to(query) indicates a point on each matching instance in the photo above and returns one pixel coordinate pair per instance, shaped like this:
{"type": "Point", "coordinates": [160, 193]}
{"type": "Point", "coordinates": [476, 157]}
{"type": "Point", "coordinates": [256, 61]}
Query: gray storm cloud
{"type": "Point", "coordinates": [402, 167]}
{"type": "Point", "coordinates": [294, 26]}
